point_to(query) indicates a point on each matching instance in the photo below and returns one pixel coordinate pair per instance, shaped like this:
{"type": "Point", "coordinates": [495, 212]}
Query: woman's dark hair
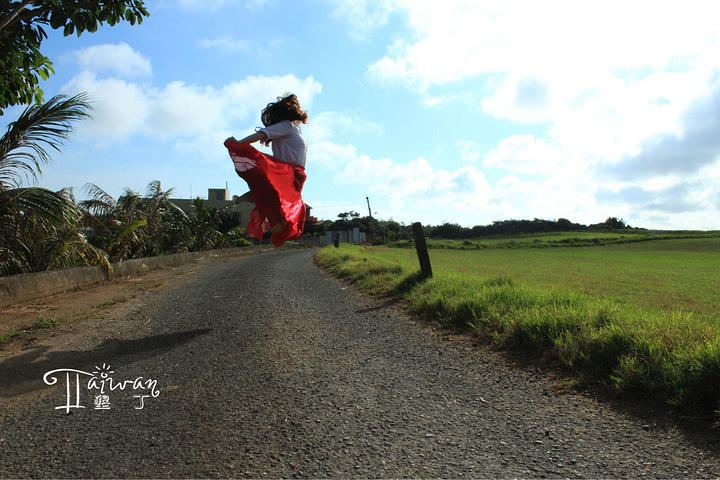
{"type": "Point", "coordinates": [287, 107]}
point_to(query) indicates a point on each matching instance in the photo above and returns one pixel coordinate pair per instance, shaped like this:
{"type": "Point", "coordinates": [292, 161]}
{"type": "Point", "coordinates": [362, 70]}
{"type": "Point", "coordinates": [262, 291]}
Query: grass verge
{"type": "Point", "coordinates": [668, 355]}
{"type": "Point", "coordinates": [43, 322]}
{"type": "Point", "coordinates": [6, 337]}
{"type": "Point", "coordinates": [50, 322]}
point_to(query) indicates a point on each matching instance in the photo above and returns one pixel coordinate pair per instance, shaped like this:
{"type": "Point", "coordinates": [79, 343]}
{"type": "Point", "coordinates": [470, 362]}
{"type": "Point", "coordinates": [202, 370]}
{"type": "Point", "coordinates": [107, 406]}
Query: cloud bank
{"type": "Point", "coordinates": [623, 99]}
{"type": "Point", "coordinates": [126, 106]}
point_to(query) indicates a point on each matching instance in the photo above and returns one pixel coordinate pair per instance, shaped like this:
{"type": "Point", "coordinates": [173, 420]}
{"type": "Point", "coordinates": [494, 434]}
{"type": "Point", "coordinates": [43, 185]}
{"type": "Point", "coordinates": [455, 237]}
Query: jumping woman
{"type": "Point", "coordinates": [275, 181]}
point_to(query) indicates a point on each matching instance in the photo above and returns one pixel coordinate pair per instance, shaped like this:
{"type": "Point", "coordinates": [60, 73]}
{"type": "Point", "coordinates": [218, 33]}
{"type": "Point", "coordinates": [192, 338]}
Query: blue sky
{"type": "Point", "coordinates": [455, 111]}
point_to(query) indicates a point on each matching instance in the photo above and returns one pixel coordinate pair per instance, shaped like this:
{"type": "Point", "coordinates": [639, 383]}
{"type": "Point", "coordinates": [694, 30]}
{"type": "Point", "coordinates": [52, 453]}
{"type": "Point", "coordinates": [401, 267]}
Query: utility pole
{"type": "Point", "coordinates": [371, 230]}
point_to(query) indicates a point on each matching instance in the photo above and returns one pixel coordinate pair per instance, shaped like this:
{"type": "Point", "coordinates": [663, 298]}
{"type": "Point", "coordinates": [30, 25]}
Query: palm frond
{"type": "Point", "coordinates": [42, 204]}
{"type": "Point", "coordinates": [12, 263]}
{"type": "Point", "coordinates": [25, 146]}
{"type": "Point", "coordinates": [177, 210]}
{"type": "Point", "coordinates": [100, 202]}
{"type": "Point", "coordinates": [36, 226]}
{"type": "Point", "coordinates": [153, 189]}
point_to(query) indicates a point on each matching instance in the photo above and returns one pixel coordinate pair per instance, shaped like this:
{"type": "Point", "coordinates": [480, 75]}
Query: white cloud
{"type": "Point", "coordinates": [120, 108]}
{"type": "Point", "coordinates": [466, 38]}
{"type": "Point", "coordinates": [417, 184]}
{"type": "Point", "coordinates": [123, 109]}
{"type": "Point", "coordinates": [326, 125]}
{"type": "Point", "coordinates": [604, 79]}
{"type": "Point", "coordinates": [233, 46]}
{"type": "Point", "coordinates": [183, 110]}
{"type": "Point", "coordinates": [422, 190]}
{"type": "Point", "coordinates": [333, 156]}
{"type": "Point", "coordinates": [361, 169]}
{"type": "Point", "coordinates": [619, 94]}
{"type": "Point", "coordinates": [684, 150]}
{"type": "Point", "coordinates": [525, 154]}
{"type": "Point", "coordinates": [362, 16]}
{"type": "Point", "coordinates": [469, 151]}
{"type": "Point", "coordinates": [119, 60]}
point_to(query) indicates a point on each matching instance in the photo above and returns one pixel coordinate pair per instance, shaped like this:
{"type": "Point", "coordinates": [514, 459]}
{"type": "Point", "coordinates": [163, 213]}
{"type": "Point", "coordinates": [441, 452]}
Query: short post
{"type": "Point", "coordinates": [336, 240]}
{"type": "Point", "coordinates": [422, 251]}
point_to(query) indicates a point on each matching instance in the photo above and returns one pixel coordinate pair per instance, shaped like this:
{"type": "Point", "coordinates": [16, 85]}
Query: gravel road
{"type": "Point", "coordinates": [267, 367]}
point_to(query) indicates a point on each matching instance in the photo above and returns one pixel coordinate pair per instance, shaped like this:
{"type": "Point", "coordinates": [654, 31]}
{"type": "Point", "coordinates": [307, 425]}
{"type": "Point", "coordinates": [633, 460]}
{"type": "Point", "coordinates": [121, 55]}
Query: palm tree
{"type": "Point", "coordinates": [114, 225]}
{"type": "Point", "coordinates": [166, 222]}
{"type": "Point", "coordinates": [134, 226]}
{"type": "Point", "coordinates": [203, 225]}
{"type": "Point", "coordinates": [39, 228]}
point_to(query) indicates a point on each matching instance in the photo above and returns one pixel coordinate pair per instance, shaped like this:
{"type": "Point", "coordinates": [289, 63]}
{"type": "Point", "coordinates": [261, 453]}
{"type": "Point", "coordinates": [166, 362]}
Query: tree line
{"type": "Point", "coordinates": [516, 227]}
{"type": "Point", "coordinates": [390, 231]}
{"type": "Point", "coordinates": [41, 229]}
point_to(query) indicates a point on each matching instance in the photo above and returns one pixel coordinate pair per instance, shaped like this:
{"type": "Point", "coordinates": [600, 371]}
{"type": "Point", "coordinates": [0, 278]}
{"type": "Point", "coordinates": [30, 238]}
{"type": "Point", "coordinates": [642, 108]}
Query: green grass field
{"type": "Point", "coordinates": [641, 316]}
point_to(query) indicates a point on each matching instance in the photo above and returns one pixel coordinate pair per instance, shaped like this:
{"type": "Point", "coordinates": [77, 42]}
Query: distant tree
{"type": "Point", "coordinates": [351, 215]}
{"type": "Point", "coordinates": [22, 65]}
{"type": "Point", "coordinates": [28, 141]}
{"type": "Point", "coordinates": [615, 223]}
{"type": "Point", "coordinates": [563, 224]}
{"type": "Point", "coordinates": [393, 229]}
{"type": "Point", "coordinates": [449, 230]}
{"type": "Point", "coordinates": [164, 222]}
{"type": "Point", "coordinates": [347, 220]}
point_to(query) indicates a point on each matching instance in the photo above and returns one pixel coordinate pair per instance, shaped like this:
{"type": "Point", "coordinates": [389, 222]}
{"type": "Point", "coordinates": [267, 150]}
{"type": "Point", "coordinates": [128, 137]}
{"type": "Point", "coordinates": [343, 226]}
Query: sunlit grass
{"type": "Point", "coordinates": [50, 322]}
{"type": "Point", "coordinates": [677, 275]}
{"type": "Point", "coordinates": [149, 286]}
{"type": "Point", "coordinates": [113, 301]}
{"type": "Point", "coordinates": [6, 337]}
{"type": "Point", "coordinates": [47, 322]}
{"type": "Point", "coordinates": [635, 316]}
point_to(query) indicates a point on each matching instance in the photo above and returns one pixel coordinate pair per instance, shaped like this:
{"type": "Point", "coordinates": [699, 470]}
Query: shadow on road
{"type": "Point", "coordinates": [23, 373]}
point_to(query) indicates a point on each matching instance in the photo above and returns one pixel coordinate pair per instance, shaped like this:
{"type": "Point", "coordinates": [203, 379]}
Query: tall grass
{"type": "Point", "coordinates": [638, 350]}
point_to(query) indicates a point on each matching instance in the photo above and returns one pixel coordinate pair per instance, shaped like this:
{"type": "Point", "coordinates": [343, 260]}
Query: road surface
{"type": "Point", "coordinates": [268, 367]}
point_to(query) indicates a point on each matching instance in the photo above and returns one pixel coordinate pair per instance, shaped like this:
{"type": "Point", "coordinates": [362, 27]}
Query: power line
{"type": "Point", "coordinates": [338, 205]}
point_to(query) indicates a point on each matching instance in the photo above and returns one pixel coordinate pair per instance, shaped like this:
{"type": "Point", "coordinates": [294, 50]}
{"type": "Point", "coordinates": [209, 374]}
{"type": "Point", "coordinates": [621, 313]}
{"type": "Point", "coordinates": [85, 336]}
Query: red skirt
{"type": "Point", "coordinates": [275, 188]}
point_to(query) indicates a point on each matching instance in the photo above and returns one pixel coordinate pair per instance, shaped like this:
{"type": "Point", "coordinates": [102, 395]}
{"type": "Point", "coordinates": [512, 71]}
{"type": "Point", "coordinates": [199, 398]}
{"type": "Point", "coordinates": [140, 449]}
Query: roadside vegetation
{"type": "Point", "coordinates": [44, 230]}
{"type": "Point", "coordinates": [640, 317]}
{"type": "Point", "coordinates": [41, 229]}
{"type": "Point", "coordinates": [48, 322]}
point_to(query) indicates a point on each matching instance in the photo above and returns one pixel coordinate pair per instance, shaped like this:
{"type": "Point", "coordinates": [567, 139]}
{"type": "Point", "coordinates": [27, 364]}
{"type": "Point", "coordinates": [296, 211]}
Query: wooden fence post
{"type": "Point", "coordinates": [422, 251]}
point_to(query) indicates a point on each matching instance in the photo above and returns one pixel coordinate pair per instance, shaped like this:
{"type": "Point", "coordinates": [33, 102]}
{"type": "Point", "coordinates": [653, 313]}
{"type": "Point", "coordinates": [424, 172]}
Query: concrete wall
{"type": "Point", "coordinates": [29, 286]}
{"type": "Point", "coordinates": [346, 236]}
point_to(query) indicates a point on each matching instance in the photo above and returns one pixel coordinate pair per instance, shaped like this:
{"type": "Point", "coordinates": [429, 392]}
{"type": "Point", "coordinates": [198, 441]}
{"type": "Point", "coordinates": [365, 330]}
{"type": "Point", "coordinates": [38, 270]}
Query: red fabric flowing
{"type": "Point", "coordinates": [275, 188]}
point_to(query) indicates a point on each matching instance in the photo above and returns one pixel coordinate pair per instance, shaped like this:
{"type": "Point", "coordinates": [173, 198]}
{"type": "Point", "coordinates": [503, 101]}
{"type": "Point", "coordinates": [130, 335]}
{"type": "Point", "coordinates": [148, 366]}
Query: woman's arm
{"type": "Point", "coordinates": [261, 136]}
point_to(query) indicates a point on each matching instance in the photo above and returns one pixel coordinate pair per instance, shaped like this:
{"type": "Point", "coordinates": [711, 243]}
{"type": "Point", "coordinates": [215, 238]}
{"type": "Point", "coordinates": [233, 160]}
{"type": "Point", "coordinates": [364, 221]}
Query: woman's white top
{"type": "Point", "coordinates": [288, 143]}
